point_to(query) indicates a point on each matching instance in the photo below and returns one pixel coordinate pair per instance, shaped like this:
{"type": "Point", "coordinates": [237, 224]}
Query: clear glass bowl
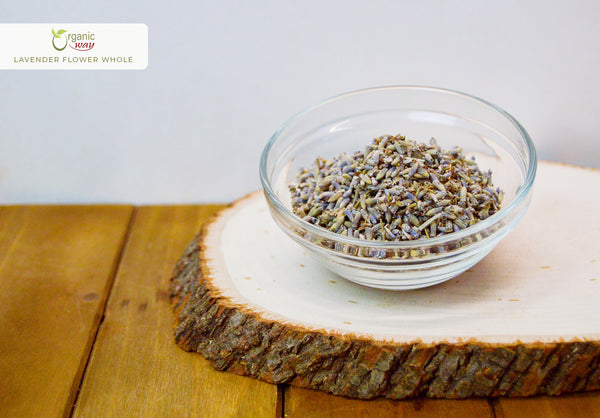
{"type": "Point", "coordinates": [347, 123]}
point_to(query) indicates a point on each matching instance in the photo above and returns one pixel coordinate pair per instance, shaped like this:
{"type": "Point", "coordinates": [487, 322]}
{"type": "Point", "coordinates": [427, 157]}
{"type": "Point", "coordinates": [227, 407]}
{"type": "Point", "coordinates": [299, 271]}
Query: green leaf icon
{"type": "Point", "coordinates": [57, 34]}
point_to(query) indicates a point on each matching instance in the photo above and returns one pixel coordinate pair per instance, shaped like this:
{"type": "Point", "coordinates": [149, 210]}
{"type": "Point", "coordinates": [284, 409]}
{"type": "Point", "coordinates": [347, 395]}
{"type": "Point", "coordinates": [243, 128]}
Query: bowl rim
{"type": "Point", "coordinates": [410, 244]}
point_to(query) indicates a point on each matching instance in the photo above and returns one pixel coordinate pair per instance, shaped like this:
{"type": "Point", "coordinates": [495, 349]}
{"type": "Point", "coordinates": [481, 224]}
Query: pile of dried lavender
{"type": "Point", "coordinates": [396, 190]}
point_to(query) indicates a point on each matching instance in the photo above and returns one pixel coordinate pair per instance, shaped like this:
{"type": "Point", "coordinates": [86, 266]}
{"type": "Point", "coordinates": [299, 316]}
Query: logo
{"type": "Point", "coordinates": [76, 41]}
{"type": "Point", "coordinates": [57, 35]}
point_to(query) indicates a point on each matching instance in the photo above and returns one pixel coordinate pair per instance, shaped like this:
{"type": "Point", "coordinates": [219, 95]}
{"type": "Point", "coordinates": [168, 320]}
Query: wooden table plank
{"type": "Point", "coordinates": [310, 403]}
{"type": "Point", "coordinates": [576, 405]}
{"type": "Point", "coordinates": [56, 268]}
{"type": "Point", "coordinates": [136, 369]}
{"type": "Point", "coordinates": [11, 225]}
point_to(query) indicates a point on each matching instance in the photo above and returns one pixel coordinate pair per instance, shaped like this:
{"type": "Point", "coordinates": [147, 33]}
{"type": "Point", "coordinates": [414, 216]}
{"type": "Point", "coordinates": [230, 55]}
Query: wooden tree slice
{"type": "Point", "coordinates": [524, 321]}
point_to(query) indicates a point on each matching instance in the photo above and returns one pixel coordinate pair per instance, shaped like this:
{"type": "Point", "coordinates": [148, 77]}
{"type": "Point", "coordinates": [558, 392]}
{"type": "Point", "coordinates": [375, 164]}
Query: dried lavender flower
{"type": "Point", "coordinates": [397, 189]}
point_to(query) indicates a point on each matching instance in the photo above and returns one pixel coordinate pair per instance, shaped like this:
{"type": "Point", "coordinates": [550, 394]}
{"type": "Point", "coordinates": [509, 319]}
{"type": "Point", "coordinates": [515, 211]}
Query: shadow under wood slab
{"type": "Point", "coordinates": [525, 321]}
{"type": "Point", "coordinates": [300, 402]}
{"type": "Point", "coordinates": [574, 405]}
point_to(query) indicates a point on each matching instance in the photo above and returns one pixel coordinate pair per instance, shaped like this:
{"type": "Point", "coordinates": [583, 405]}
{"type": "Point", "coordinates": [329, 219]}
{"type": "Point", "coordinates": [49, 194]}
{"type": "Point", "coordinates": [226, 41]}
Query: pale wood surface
{"type": "Point", "coordinates": [55, 265]}
{"type": "Point", "coordinates": [56, 268]}
{"type": "Point", "coordinates": [136, 369]}
{"type": "Point", "coordinates": [541, 283]}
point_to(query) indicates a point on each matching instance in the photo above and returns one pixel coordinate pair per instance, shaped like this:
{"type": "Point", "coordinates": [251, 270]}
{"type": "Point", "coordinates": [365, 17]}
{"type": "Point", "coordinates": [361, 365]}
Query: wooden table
{"type": "Point", "coordinates": [86, 329]}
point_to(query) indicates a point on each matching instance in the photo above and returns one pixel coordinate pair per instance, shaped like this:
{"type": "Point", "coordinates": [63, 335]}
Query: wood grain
{"type": "Point", "coordinates": [11, 225]}
{"type": "Point", "coordinates": [136, 369]}
{"type": "Point", "coordinates": [56, 269]}
{"type": "Point", "coordinates": [581, 405]}
{"type": "Point", "coordinates": [310, 403]}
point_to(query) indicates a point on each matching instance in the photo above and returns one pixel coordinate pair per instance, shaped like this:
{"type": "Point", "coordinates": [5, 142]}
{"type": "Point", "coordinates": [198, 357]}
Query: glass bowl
{"type": "Point", "coordinates": [347, 123]}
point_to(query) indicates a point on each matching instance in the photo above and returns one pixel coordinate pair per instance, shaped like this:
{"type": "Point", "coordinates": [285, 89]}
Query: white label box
{"type": "Point", "coordinates": [73, 46]}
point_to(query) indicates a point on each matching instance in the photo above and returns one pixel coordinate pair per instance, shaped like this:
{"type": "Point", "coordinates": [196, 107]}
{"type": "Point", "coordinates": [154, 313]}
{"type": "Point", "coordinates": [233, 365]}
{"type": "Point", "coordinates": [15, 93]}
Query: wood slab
{"type": "Point", "coordinates": [135, 369]}
{"type": "Point", "coordinates": [525, 321]}
{"type": "Point", "coordinates": [44, 393]}
{"type": "Point", "coordinates": [57, 264]}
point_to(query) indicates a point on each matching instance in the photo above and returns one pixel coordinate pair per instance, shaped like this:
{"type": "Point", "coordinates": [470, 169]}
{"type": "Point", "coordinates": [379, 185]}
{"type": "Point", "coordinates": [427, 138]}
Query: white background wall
{"type": "Point", "coordinates": [223, 75]}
